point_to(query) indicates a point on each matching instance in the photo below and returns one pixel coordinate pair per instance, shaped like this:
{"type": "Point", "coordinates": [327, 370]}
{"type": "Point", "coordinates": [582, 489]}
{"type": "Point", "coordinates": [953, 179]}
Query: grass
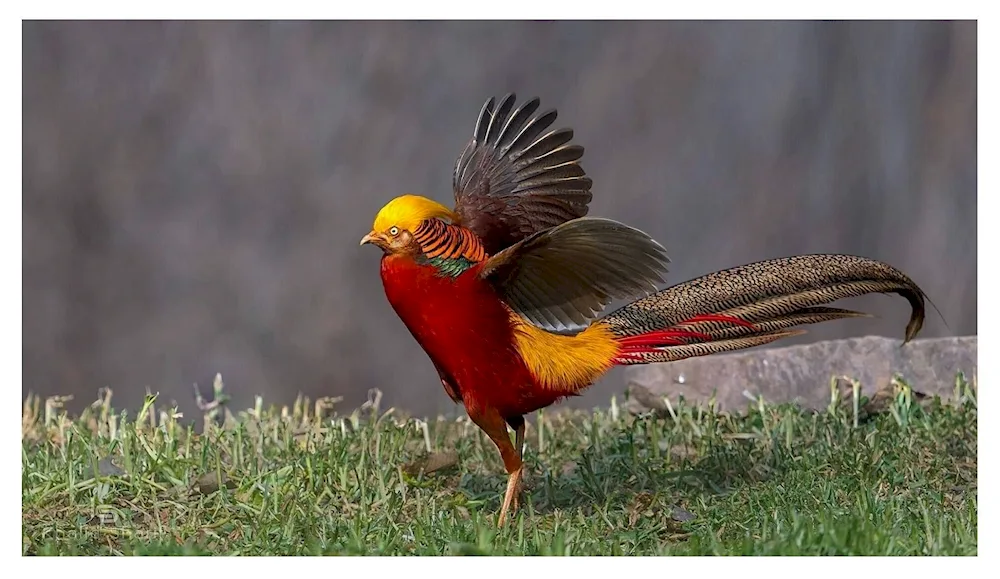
{"type": "Point", "coordinates": [894, 478]}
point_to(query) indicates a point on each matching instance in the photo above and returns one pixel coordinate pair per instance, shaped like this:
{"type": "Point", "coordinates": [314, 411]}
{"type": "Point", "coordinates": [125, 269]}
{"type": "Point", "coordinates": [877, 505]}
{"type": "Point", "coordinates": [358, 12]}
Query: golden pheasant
{"type": "Point", "coordinates": [503, 291]}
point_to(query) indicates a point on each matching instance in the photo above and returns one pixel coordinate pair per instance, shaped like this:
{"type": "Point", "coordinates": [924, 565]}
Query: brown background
{"type": "Point", "coordinates": [194, 192]}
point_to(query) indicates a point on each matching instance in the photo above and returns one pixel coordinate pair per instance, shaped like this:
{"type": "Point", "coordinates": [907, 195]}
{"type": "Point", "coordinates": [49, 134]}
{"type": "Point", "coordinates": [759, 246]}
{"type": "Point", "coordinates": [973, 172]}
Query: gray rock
{"type": "Point", "coordinates": [802, 374]}
{"type": "Point", "coordinates": [105, 467]}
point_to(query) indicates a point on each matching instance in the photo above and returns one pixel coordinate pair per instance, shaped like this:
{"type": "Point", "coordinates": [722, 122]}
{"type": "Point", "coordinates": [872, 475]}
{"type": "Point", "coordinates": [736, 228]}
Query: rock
{"type": "Point", "coordinates": [432, 462]}
{"type": "Point", "coordinates": [801, 374]}
{"type": "Point", "coordinates": [105, 467]}
{"type": "Point", "coordinates": [682, 515]}
{"type": "Point", "coordinates": [208, 483]}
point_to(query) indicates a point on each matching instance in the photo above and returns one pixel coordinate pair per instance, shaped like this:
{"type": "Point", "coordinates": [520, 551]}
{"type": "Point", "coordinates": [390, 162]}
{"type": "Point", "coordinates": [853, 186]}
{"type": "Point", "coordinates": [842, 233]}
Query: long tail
{"type": "Point", "coordinates": [752, 305]}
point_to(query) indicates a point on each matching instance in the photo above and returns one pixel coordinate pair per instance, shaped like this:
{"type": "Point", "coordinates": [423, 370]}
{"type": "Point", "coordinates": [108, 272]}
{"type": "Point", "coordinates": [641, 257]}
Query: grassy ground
{"type": "Point", "coordinates": [892, 476]}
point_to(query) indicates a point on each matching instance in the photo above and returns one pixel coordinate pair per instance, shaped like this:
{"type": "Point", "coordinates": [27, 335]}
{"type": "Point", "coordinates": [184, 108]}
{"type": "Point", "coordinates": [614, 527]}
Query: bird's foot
{"type": "Point", "coordinates": [511, 499]}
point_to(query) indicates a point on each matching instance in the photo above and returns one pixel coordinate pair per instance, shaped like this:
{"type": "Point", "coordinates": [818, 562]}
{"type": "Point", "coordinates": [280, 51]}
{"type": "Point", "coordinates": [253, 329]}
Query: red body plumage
{"type": "Point", "coordinates": [465, 329]}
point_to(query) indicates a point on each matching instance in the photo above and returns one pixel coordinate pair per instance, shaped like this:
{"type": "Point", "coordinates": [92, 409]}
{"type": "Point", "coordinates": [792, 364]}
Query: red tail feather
{"type": "Point", "coordinates": [668, 337]}
{"type": "Point", "coordinates": [718, 318]}
{"type": "Point", "coordinates": [633, 346]}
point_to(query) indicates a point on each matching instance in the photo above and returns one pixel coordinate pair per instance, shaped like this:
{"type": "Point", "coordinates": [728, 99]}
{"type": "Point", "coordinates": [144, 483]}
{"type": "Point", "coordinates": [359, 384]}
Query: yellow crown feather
{"type": "Point", "coordinates": [407, 211]}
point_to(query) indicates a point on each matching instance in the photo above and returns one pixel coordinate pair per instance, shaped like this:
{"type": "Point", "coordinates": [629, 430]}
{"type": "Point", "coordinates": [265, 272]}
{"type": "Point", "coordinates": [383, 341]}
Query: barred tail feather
{"type": "Point", "coordinates": [752, 305]}
{"type": "Point", "coordinates": [679, 352]}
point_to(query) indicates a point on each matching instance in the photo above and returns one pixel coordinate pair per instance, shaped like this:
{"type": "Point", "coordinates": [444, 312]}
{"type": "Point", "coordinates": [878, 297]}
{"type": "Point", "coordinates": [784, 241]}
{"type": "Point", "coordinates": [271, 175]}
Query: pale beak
{"type": "Point", "coordinates": [372, 237]}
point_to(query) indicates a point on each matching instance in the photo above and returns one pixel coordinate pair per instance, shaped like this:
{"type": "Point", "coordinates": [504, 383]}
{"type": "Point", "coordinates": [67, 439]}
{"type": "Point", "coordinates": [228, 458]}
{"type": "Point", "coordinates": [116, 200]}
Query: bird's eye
{"type": "Point", "coordinates": [394, 231]}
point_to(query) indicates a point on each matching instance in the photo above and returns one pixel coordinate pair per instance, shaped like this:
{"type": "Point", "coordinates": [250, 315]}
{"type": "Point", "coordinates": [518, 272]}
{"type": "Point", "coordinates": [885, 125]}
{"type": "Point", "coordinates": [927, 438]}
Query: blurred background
{"type": "Point", "coordinates": [194, 193]}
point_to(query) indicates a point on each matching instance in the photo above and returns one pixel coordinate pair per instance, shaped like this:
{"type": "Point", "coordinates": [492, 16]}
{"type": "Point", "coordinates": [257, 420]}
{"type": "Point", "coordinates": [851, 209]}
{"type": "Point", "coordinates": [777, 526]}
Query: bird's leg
{"type": "Point", "coordinates": [517, 423]}
{"type": "Point", "coordinates": [496, 428]}
{"type": "Point", "coordinates": [510, 497]}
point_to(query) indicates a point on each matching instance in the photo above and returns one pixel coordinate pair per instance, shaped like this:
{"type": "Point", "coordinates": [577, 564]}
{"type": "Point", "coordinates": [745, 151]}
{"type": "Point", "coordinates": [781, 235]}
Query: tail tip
{"type": "Point", "coordinates": [912, 329]}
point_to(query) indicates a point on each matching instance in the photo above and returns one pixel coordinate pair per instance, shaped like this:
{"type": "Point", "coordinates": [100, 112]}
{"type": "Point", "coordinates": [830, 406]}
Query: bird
{"type": "Point", "coordinates": [505, 290]}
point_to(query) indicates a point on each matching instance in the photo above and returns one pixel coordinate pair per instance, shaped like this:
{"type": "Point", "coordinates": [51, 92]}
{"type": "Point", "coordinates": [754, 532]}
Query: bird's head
{"type": "Point", "coordinates": [398, 219]}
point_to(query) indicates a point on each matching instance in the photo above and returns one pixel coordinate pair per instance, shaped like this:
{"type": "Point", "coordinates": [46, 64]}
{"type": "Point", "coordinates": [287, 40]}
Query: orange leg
{"type": "Point", "coordinates": [517, 424]}
{"type": "Point", "coordinates": [496, 428]}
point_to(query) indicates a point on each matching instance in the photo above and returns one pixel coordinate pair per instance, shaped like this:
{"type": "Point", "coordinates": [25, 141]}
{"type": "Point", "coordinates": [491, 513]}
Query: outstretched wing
{"type": "Point", "coordinates": [561, 278]}
{"type": "Point", "coordinates": [516, 177]}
